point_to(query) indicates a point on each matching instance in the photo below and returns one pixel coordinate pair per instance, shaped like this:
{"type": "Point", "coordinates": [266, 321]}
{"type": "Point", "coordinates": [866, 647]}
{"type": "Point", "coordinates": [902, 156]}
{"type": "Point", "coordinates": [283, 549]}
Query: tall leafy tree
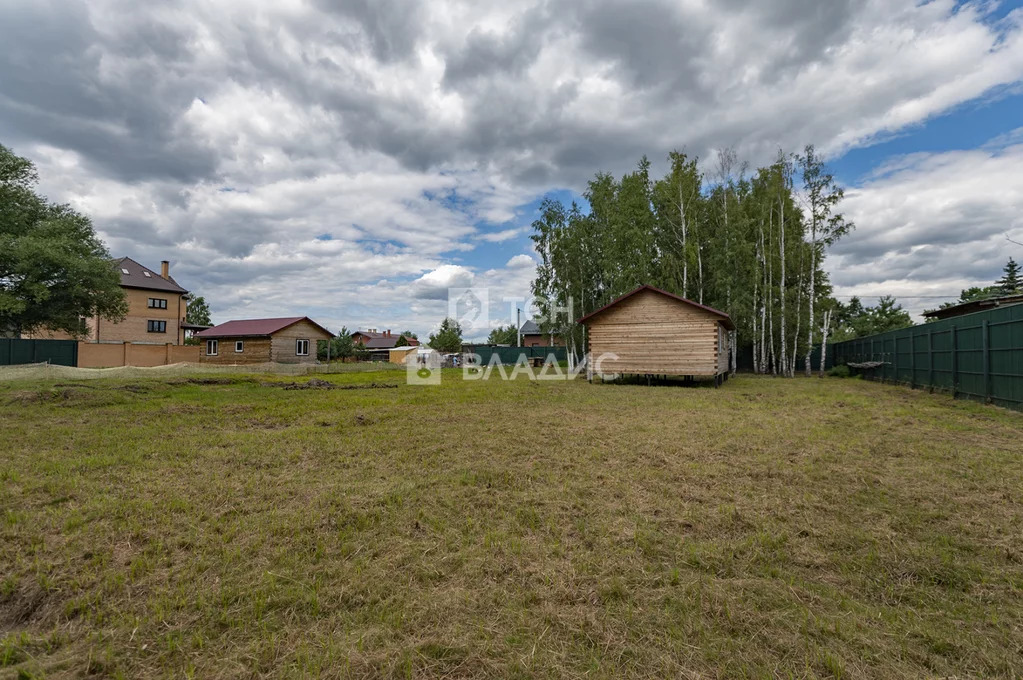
{"type": "Point", "coordinates": [198, 312]}
{"type": "Point", "coordinates": [826, 226]}
{"type": "Point", "coordinates": [54, 270]}
{"type": "Point", "coordinates": [743, 245]}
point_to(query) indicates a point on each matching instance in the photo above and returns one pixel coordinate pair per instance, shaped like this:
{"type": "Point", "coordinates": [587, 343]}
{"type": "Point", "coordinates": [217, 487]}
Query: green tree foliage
{"type": "Point", "coordinates": [826, 226]}
{"type": "Point", "coordinates": [1011, 282]}
{"type": "Point", "coordinates": [503, 335]}
{"type": "Point", "coordinates": [198, 312]}
{"type": "Point", "coordinates": [54, 270]}
{"type": "Point", "coordinates": [403, 339]}
{"type": "Point", "coordinates": [743, 244]}
{"type": "Point", "coordinates": [448, 337]}
{"type": "Point", "coordinates": [853, 320]}
{"type": "Point", "coordinates": [341, 347]}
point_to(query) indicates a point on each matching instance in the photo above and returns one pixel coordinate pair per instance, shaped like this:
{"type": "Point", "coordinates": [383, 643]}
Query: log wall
{"type": "Point", "coordinates": [655, 334]}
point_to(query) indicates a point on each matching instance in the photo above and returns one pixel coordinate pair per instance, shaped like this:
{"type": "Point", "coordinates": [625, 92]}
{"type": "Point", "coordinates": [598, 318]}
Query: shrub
{"type": "Point", "coordinates": [841, 371]}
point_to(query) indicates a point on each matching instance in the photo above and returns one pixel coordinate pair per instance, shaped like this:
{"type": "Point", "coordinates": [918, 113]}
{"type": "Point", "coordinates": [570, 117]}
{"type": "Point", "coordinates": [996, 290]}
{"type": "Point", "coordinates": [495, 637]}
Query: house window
{"type": "Point", "coordinates": [146, 274]}
{"type": "Point", "coordinates": [211, 348]}
{"type": "Point", "coordinates": [302, 348]}
{"type": "Point", "coordinates": [157, 303]}
{"type": "Point", "coordinates": [124, 271]}
{"type": "Point", "coordinates": [239, 346]}
{"type": "Point", "coordinates": [157, 326]}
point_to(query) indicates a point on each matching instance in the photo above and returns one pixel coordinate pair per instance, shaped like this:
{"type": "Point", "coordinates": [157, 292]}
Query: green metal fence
{"type": "Point", "coordinates": [17, 351]}
{"type": "Point", "coordinates": [510, 355]}
{"type": "Point", "coordinates": [975, 356]}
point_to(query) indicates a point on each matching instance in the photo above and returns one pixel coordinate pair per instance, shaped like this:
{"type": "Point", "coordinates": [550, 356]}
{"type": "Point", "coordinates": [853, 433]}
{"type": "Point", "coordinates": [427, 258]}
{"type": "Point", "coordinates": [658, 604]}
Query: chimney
{"type": "Point", "coordinates": [165, 269]}
{"type": "Point", "coordinates": [388, 332]}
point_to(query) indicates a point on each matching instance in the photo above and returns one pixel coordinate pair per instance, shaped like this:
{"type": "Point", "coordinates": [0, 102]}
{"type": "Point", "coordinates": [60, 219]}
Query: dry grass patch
{"type": "Point", "coordinates": [771, 527]}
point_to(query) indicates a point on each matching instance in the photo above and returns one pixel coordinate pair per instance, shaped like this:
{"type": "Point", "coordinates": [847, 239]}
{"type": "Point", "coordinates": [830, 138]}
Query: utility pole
{"type": "Point", "coordinates": [518, 327]}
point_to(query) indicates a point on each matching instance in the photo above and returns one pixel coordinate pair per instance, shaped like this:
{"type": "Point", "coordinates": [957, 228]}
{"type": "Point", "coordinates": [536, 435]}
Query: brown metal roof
{"type": "Point", "coordinates": [247, 328]}
{"type": "Point", "coordinates": [383, 340]}
{"type": "Point", "coordinates": [973, 306]}
{"type": "Point", "coordinates": [136, 277]}
{"type": "Point", "coordinates": [724, 317]}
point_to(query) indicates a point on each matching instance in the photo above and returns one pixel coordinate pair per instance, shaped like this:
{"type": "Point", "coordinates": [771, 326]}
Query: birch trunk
{"type": "Point", "coordinates": [795, 331]}
{"type": "Point", "coordinates": [781, 285]}
{"type": "Point", "coordinates": [685, 254]}
{"type": "Point", "coordinates": [813, 278]}
{"type": "Point", "coordinates": [824, 341]}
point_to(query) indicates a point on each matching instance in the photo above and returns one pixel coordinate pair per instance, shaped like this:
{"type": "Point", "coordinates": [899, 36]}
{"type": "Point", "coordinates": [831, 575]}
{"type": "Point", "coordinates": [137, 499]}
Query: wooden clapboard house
{"type": "Point", "coordinates": [656, 333]}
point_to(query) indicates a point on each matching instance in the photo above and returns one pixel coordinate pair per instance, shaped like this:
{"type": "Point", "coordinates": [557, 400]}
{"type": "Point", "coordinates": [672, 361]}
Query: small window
{"type": "Point", "coordinates": [146, 274]}
{"type": "Point", "coordinates": [124, 271]}
{"type": "Point", "coordinates": [211, 348]}
{"type": "Point", "coordinates": [157, 326]}
{"type": "Point", "coordinates": [302, 348]}
{"type": "Point", "coordinates": [239, 346]}
{"type": "Point", "coordinates": [157, 303]}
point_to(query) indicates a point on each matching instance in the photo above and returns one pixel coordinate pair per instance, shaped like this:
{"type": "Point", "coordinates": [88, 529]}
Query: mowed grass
{"type": "Point", "coordinates": [770, 528]}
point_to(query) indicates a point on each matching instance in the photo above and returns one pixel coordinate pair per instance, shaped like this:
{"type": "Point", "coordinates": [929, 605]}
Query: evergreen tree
{"type": "Point", "coordinates": [448, 337]}
{"type": "Point", "coordinates": [1010, 283]}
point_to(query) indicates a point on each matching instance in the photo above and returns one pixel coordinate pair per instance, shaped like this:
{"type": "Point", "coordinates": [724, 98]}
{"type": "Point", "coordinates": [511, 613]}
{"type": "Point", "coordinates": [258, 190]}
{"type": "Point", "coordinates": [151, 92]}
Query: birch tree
{"type": "Point", "coordinates": [822, 196]}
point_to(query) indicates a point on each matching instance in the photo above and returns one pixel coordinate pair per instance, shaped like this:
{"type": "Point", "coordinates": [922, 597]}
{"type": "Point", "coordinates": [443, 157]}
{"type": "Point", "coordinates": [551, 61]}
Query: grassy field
{"type": "Point", "coordinates": [770, 528]}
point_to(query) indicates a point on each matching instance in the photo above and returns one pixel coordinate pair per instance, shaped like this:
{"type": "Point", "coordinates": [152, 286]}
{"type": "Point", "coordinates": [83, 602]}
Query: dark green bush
{"type": "Point", "coordinates": [841, 371]}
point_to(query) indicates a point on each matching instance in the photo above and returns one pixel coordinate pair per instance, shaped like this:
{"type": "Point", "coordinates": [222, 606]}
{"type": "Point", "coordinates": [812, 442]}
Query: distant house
{"type": "Point", "coordinates": [371, 339]}
{"type": "Point", "coordinates": [532, 337]}
{"type": "Point", "coordinates": [653, 332]}
{"type": "Point", "coordinates": [289, 340]}
{"type": "Point", "coordinates": [400, 355]}
{"type": "Point", "coordinates": [157, 306]}
{"type": "Point", "coordinates": [973, 306]}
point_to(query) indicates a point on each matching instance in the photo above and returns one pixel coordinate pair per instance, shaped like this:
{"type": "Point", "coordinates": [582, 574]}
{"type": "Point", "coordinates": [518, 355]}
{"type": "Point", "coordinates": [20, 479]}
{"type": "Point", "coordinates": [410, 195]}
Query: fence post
{"type": "Point", "coordinates": [955, 362]}
{"type": "Point", "coordinates": [985, 339]}
{"type": "Point", "coordinates": [895, 360]}
{"type": "Point", "coordinates": [912, 361]}
{"type": "Point", "coordinates": [930, 360]}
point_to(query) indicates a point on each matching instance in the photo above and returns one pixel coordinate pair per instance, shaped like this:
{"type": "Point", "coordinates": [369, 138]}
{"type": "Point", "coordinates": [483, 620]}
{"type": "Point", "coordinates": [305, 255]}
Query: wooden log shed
{"type": "Point", "coordinates": [652, 332]}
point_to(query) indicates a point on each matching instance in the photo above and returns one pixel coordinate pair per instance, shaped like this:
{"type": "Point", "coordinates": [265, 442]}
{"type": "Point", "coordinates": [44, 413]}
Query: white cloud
{"type": "Point", "coordinates": [932, 224]}
{"type": "Point", "coordinates": [336, 159]}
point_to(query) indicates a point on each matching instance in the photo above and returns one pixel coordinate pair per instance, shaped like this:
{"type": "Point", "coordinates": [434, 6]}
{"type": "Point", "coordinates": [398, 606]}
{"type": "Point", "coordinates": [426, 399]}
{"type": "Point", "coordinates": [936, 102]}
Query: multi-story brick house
{"type": "Point", "coordinates": [156, 309]}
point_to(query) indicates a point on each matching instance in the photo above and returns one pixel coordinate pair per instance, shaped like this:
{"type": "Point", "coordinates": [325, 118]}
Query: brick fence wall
{"type": "Point", "coordinates": [106, 355]}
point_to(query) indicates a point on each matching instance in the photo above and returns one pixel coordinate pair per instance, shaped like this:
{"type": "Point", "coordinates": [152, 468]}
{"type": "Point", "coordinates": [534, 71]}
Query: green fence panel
{"type": "Point", "coordinates": [975, 356]}
{"type": "Point", "coordinates": [510, 355]}
{"type": "Point", "coordinates": [15, 351]}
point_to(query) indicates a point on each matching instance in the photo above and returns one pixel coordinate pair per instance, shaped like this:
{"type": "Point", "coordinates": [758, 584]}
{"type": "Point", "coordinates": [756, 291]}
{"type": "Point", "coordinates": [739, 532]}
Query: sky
{"type": "Point", "coordinates": [354, 160]}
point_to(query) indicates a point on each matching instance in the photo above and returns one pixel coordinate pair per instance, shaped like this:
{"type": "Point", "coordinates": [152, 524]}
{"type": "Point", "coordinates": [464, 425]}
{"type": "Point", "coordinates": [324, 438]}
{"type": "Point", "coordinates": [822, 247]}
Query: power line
{"type": "Point", "coordinates": [912, 297]}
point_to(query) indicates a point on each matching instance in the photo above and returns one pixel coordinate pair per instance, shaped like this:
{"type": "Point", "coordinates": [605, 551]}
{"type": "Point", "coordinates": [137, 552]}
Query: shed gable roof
{"type": "Point", "coordinates": [725, 319]}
